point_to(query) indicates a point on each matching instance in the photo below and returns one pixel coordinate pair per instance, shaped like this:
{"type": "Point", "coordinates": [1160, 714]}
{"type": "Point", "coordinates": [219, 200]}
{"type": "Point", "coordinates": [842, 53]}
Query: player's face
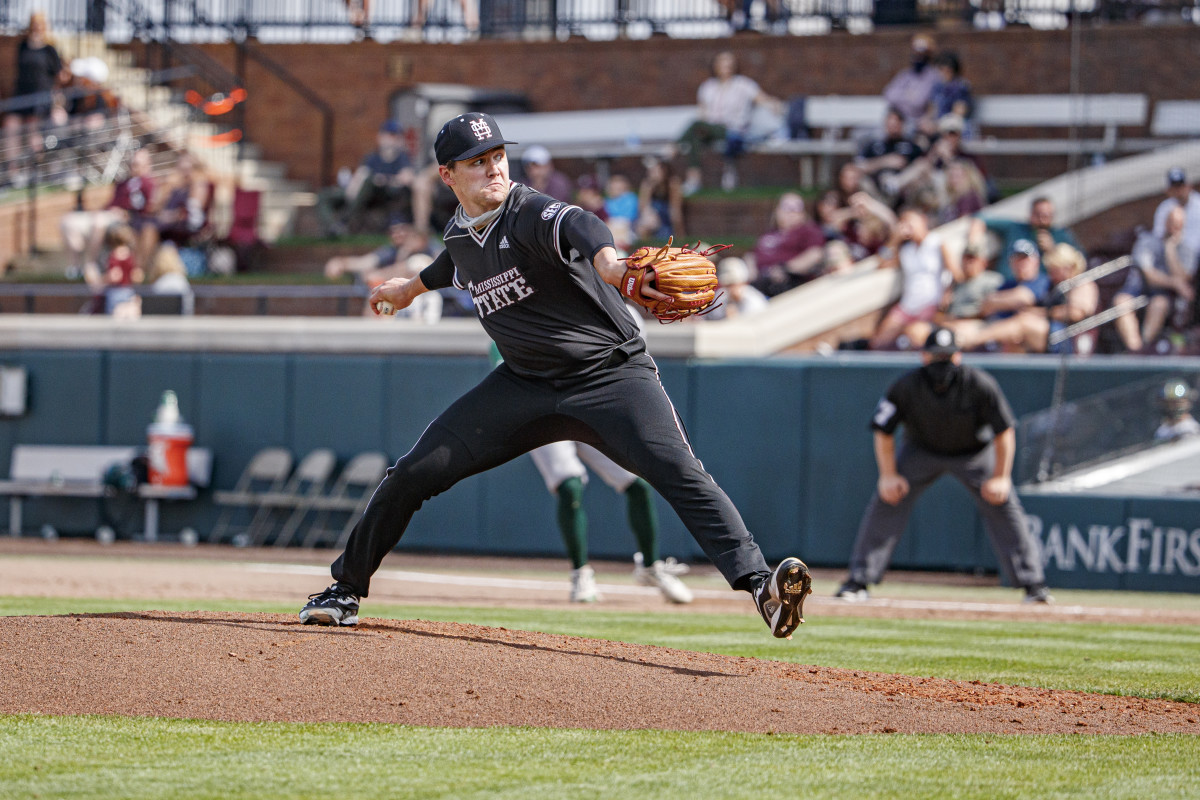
{"type": "Point", "coordinates": [479, 183]}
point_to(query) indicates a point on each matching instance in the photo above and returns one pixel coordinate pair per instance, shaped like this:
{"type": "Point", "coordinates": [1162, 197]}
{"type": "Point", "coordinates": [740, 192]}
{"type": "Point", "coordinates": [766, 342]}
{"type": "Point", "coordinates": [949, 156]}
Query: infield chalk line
{"type": "Point", "coordinates": [471, 580]}
{"type": "Point", "coordinates": [714, 594]}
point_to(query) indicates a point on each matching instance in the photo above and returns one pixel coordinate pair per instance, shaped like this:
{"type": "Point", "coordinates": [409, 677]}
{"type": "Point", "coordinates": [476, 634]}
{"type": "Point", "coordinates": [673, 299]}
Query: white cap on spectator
{"type": "Point", "coordinates": [536, 155]}
{"type": "Point", "coordinates": [950, 122]}
{"type": "Point", "coordinates": [92, 68]}
{"type": "Point", "coordinates": [732, 270]}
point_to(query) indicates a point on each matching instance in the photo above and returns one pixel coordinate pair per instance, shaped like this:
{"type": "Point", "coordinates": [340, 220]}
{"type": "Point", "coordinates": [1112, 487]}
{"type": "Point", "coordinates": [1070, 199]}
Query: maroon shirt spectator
{"type": "Point", "coordinates": [793, 252]}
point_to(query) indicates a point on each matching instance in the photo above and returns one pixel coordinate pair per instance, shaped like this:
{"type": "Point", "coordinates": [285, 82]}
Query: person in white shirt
{"type": "Point", "coordinates": [1180, 193]}
{"type": "Point", "coordinates": [733, 276]}
{"type": "Point", "coordinates": [927, 266]}
{"type": "Point", "coordinates": [725, 106]}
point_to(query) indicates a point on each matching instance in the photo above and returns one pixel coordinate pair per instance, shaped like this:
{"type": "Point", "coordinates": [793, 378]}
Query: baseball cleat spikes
{"type": "Point", "coordinates": [780, 597]}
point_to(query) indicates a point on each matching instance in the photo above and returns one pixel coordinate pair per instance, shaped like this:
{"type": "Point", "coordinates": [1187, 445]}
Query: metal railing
{"type": "Point", "coordinates": [334, 21]}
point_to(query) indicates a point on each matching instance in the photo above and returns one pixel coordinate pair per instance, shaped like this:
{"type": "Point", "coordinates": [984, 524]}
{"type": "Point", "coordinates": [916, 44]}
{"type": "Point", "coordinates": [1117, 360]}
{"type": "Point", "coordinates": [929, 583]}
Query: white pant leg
{"type": "Point", "coordinates": [556, 462]}
{"type": "Point", "coordinates": [609, 471]}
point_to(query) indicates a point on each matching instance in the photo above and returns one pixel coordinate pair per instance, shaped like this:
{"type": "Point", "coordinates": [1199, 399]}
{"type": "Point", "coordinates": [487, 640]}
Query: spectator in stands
{"type": "Point", "coordinates": [838, 257]}
{"type": "Point", "coordinates": [384, 178]}
{"type": "Point", "coordinates": [660, 202]}
{"type": "Point", "coordinates": [39, 72]}
{"type": "Point", "coordinates": [589, 197]}
{"type": "Point", "coordinates": [851, 179]}
{"type": "Point", "coordinates": [83, 231]}
{"type": "Point", "coordinates": [943, 180]}
{"type": "Point", "coordinates": [1029, 287]}
{"type": "Point", "coordinates": [113, 286]}
{"type": "Point", "coordinates": [1027, 329]}
{"type": "Point", "coordinates": [1039, 229]}
{"type": "Point", "coordinates": [911, 90]}
{"type": "Point", "coordinates": [540, 174]}
{"type": "Point", "coordinates": [740, 298]}
{"type": "Point", "coordinates": [927, 265]}
{"type": "Point", "coordinates": [621, 206]}
{"type": "Point", "coordinates": [884, 158]}
{"type": "Point", "coordinates": [180, 208]}
{"type": "Point", "coordinates": [168, 276]}
{"type": "Point", "coordinates": [469, 9]}
{"type": "Point", "coordinates": [1159, 272]}
{"type": "Point", "coordinates": [1181, 194]}
{"type": "Point", "coordinates": [725, 105]}
{"type": "Point", "coordinates": [953, 94]}
{"type": "Point", "coordinates": [89, 102]}
{"type": "Point", "coordinates": [864, 224]}
{"type": "Point", "coordinates": [792, 252]}
{"type": "Point", "coordinates": [406, 240]}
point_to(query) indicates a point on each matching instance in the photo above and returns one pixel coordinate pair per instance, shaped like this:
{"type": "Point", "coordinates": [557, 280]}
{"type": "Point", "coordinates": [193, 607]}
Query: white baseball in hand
{"type": "Point", "coordinates": [383, 307]}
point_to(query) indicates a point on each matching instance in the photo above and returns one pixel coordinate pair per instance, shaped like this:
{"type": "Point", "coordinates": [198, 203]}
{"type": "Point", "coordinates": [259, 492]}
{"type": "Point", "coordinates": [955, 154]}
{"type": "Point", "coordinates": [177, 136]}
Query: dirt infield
{"type": "Point", "coordinates": [267, 667]}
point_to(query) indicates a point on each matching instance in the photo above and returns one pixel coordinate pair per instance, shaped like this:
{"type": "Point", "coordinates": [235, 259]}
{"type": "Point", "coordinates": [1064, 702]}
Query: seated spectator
{"type": "Point", "coordinates": [406, 241]}
{"type": "Point", "coordinates": [181, 207]}
{"type": "Point", "coordinates": [383, 179]}
{"type": "Point", "coordinates": [838, 258]}
{"type": "Point", "coordinates": [911, 90]}
{"type": "Point", "coordinates": [541, 175]}
{"type": "Point", "coordinates": [792, 252]}
{"type": "Point", "coordinates": [1158, 272]}
{"type": "Point", "coordinates": [944, 180]}
{"type": "Point", "coordinates": [168, 276]}
{"type": "Point", "coordinates": [1027, 329]}
{"type": "Point", "coordinates": [966, 298]}
{"type": "Point", "coordinates": [1039, 229]}
{"type": "Point", "coordinates": [1029, 287]}
{"type": "Point", "coordinates": [725, 106]}
{"type": "Point", "coordinates": [589, 197]}
{"type": "Point", "coordinates": [88, 102]}
{"type": "Point", "coordinates": [927, 266]}
{"type": "Point", "coordinates": [621, 207]}
{"type": "Point", "coordinates": [660, 203]}
{"type": "Point", "coordinates": [1180, 194]}
{"type": "Point", "coordinates": [869, 227]}
{"type": "Point", "coordinates": [115, 295]}
{"type": "Point", "coordinates": [83, 231]}
{"type": "Point", "coordinates": [740, 298]}
{"type": "Point", "coordinates": [884, 158]}
{"type": "Point", "coordinates": [953, 94]}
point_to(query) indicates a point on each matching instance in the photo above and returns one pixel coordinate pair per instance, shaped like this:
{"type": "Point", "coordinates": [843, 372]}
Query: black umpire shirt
{"type": "Point", "coordinates": [962, 420]}
{"type": "Point", "coordinates": [530, 275]}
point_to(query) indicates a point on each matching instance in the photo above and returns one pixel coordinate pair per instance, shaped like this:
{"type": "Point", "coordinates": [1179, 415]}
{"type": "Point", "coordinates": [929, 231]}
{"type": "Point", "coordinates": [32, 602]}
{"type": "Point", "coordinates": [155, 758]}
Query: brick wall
{"type": "Point", "coordinates": [358, 79]}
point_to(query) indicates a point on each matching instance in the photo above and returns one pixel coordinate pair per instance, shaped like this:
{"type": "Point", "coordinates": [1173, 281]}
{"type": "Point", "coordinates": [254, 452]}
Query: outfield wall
{"type": "Point", "coordinates": [787, 439]}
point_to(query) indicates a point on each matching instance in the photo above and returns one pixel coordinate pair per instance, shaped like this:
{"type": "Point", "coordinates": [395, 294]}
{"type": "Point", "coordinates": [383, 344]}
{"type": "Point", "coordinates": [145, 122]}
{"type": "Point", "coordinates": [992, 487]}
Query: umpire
{"type": "Point", "coordinates": [956, 421]}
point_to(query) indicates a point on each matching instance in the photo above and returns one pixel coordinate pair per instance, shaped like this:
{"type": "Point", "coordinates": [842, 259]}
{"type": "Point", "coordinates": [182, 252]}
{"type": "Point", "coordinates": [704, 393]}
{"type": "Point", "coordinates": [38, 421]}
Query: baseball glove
{"type": "Point", "coordinates": [684, 274]}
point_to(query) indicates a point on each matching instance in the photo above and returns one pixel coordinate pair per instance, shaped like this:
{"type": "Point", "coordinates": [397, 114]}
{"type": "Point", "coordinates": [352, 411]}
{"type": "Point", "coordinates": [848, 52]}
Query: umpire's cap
{"type": "Point", "coordinates": [941, 342]}
{"type": "Point", "coordinates": [466, 136]}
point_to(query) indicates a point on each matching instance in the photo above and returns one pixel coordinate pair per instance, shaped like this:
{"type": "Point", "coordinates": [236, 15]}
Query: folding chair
{"type": "Point", "coordinates": [267, 472]}
{"type": "Point", "coordinates": [348, 496]}
{"type": "Point", "coordinates": [306, 485]}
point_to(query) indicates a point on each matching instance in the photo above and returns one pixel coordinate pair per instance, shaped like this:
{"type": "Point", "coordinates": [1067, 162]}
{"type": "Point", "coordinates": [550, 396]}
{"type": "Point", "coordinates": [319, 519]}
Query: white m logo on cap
{"type": "Point", "coordinates": [481, 129]}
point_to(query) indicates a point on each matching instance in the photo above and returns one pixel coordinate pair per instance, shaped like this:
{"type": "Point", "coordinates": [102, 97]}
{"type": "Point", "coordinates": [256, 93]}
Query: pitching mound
{"type": "Point", "coordinates": [268, 667]}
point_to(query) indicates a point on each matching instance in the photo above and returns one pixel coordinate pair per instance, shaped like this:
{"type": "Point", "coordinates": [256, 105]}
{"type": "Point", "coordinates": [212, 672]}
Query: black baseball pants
{"type": "Point", "coordinates": [622, 410]}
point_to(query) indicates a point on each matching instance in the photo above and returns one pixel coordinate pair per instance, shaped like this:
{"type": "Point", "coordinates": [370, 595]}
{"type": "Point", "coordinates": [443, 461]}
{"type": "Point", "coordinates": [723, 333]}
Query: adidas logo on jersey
{"type": "Point", "coordinates": [503, 243]}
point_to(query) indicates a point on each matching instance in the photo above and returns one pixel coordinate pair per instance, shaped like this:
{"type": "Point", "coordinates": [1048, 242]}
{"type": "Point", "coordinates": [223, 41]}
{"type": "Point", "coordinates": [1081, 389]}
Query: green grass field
{"type": "Point", "coordinates": [98, 757]}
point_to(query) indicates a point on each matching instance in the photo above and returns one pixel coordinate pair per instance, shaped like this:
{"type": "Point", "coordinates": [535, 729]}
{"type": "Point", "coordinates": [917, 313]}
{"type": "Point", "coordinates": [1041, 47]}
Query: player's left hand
{"type": "Point", "coordinates": [996, 490]}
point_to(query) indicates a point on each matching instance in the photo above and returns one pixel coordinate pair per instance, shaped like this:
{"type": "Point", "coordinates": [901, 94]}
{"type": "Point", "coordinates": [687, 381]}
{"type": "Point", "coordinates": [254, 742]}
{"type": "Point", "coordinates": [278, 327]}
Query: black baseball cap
{"type": "Point", "coordinates": [466, 136]}
{"type": "Point", "coordinates": [1176, 176]}
{"type": "Point", "coordinates": [941, 342]}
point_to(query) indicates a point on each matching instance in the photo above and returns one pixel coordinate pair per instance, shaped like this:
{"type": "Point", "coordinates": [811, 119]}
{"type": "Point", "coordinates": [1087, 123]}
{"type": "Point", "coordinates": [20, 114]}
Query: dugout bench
{"type": "Point", "coordinates": [77, 471]}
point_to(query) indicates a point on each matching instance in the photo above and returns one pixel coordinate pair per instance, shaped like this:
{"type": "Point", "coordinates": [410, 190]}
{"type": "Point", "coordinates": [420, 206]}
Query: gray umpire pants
{"type": "Point", "coordinates": [883, 524]}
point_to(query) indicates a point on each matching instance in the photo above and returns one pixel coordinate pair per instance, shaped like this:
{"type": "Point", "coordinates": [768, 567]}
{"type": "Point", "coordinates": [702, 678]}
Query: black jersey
{"type": "Point", "coordinates": [959, 421]}
{"type": "Point", "coordinates": [530, 275]}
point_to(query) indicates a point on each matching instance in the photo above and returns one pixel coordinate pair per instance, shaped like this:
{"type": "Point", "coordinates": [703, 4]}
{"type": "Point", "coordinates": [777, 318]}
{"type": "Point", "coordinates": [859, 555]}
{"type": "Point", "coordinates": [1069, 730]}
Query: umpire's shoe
{"type": "Point", "coordinates": [780, 597]}
{"type": "Point", "coordinates": [337, 605]}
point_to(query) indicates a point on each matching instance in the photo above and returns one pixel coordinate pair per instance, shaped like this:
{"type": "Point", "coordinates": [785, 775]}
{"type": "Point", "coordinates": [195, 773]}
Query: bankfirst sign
{"type": "Point", "coordinates": [1110, 543]}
